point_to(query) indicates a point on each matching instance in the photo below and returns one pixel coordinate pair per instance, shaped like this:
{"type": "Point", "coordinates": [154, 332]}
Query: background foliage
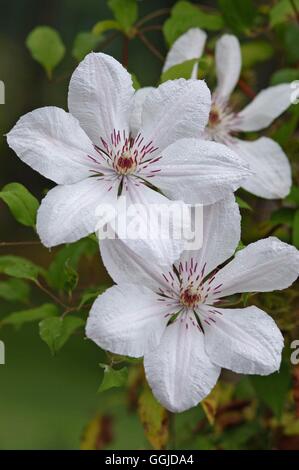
{"type": "Point", "coordinates": [58, 390]}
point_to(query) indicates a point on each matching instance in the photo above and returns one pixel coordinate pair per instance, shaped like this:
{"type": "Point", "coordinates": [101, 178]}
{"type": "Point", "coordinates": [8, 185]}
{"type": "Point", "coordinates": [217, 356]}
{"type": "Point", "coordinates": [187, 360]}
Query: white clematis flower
{"type": "Point", "coordinates": [173, 316]}
{"type": "Point", "coordinates": [271, 168]}
{"type": "Point", "coordinates": [96, 152]}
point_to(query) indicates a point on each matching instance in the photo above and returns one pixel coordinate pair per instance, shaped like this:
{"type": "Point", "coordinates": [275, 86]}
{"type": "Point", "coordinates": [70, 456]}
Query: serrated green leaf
{"type": "Point", "coordinates": [21, 317]}
{"type": "Point", "coordinates": [185, 15]}
{"type": "Point", "coordinates": [254, 52]}
{"type": "Point", "coordinates": [103, 26]}
{"type": "Point", "coordinates": [56, 331]}
{"type": "Point", "coordinates": [69, 255]}
{"type": "Point", "coordinates": [113, 378]}
{"type": "Point", "coordinates": [125, 12]}
{"type": "Point", "coordinates": [14, 290]}
{"type": "Point", "coordinates": [46, 47]}
{"type": "Point", "coordinates": [239, 15]}
{"type": "Point", "coordinates": [295, 237]}
{"type": "Point", "coordinates": [21, 268]}
{"type": "Point", "coordinates": [282, 11]}
{"type": "Point", "coordinates": [22, 204]}
{"type": "Point", "coordinates": [84, 43]}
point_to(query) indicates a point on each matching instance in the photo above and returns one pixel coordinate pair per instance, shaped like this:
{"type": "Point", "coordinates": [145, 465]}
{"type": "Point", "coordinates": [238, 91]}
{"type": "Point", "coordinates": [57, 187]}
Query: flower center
{"type": "Point", "coordinates": [190, 297]}
{"type": "Point", "coordinates": [214, 118]}
{"type": "Point", "coordinates": [125, 163]}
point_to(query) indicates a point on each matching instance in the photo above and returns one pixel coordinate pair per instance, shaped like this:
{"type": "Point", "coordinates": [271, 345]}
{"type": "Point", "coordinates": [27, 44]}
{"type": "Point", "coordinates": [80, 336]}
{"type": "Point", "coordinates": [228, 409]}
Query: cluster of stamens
{"type": "Point", "coordinates": [127, 155]}
{"type": "Point", "coordinates": [190, 297]}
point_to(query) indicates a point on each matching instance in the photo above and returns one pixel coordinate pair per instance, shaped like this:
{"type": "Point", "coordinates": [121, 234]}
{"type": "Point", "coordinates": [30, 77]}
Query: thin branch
{"type": "Point", "coordinates": [150, 46]}
{"type": "Point", "coordinates": [152, 16]}
{"type": "Point", "coordinates": [295, 8]}
{"type": "Point", "coordinates": [125, 53]}
{"type": "Point", "coordinates": [26, 243]}
{"type": "Point", "coordinates": [50, 294]}
{"type": "Point", "coordinates": [247, 90]}
{"type": "Point", "coordinates": [153, 27]}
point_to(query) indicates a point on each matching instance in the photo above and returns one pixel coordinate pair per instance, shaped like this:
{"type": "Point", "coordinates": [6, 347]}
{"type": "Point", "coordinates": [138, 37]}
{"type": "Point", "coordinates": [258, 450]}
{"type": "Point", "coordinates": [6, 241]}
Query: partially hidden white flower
{"type": "Point", "coordinates": [95, 152]}
{"type": "Point", "coordinates": [176, 317]}
{"type": "Point", "coordinates": [271, 168]}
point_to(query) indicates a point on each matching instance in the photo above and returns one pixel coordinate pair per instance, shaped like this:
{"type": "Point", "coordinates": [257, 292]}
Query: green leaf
{"type": "Point", "coordinates": [18, 319]}
{"type": "Point", "coordinates": [243, 204]}
{"type": "Point", "coordinates": [14, 290]}
{"type": "Point", "coordinates": [135, 81]}
{"type": "Point", "coordinates": [273, 389]}
{"type": "Point", "coordinates": [84, 43]}
{"type": "Point", "coordinates": [184, 16]}
{"type": "Point", "coordinates": [68, 258]}
{"type": "Point", "coordinates": [294, 195]}
{"type": "Point", "coordinates": [284, 76]}
{"type": "Point", "coordinates": [21, 203]}
{"type": "Point", "coordinates": [46, 47]}
{"type": "Point", "coordinates": [91, 294]}
{"type": "Point", "coordinates": [254, 52]}
{"type": "Point", "coordinates": [113, 378]}
{"type": "Point", "coordinates": [282, 12]}
{"type": "Point", "coordinates": [154, 419]}
{"type": "Point", "coordinates": [284, 215]}
{"type": "Point", "coordinates": [287, 129]}
{"type": "Point", "coordinates": [296, 229]}
{"type": "Point", "coordinates": [291, 39]}
{"type": "Point", "coordinates": [239, 15]}
{"type": "Point", "coordinates": [71, 277]}
{"type": "Point", "coordinates": [125, 12]}
{"type": "Point", "coordinates": [55, 331]}
{"type": "Point", "coordinates": [21, 268]}
{"type": "Point", "coordinates": [106, 25]}
{"type": "Point", "coordinates": [183, 70]}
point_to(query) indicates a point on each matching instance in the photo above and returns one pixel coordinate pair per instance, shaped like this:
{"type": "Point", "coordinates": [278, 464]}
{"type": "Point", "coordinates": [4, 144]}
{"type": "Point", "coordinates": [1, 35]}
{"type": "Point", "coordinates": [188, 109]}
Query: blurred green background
{"type": "Point", "coordinates": [51, 402]}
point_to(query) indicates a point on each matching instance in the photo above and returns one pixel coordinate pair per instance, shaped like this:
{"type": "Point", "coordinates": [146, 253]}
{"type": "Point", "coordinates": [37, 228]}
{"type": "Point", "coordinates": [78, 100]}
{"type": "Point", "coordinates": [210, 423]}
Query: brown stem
{"type": "Point", "coordinates": [27, 243]}
{"type": "Point", "coordinates": [150, 46]}
{"type": "Point", "coordinates": [247, 90]}
{"type": "Point", "coordinates": [125, 55]}
{"type": "Point", "coordinates": [153, 27]}
{"type": "Point", "coordinates": [152, 16]}
{"type": "Point", "coordinates": [50, 294]}
{"type": "Point", "coordinates": [296, 10]}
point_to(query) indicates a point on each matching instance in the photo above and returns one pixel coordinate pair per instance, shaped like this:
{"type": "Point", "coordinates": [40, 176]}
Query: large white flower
{"type": "Point", "coordinates": [176, 317]}
{"type": "Point", "coordinates": [96, 152]}
{"type": "Point", "coordinates": [271, 168]}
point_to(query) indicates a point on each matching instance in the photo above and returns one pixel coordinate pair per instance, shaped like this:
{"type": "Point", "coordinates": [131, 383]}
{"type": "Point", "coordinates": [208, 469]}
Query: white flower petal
{"type": "Point", "coordinates": [188, 46]}
{"type": "Point", "coordinates": [179, 370]}
{"type": "Point", "coordinates": [176, 109]}
{"type": "Point", "coordinates": [265, 107]}
{"type": "Point", "coordinates": [221, 234]}
{"type": "Point", "coordinates": [136, 108]}
{"type": "Point", "coordinates": [135, 269]}
{"type": "Point", "coordinates": [100, 93]}
{"type": "Point", "coordinates": [271, 169]}
{"type": "Point", "coordinates": [199, 171]}
{"type": "Point", "coordinates": [228, 65]}
{"type": "Point", "coordinates": [154, 224]}
{"type": "Point", "coordinates": [244, 340]}
{"type": "Point", "coordinates": [128, 320]}
{"type": "Point", "coordinates": [52, 142]}
{"type": "Point", "coordinates": [263, 266]}
{"type": "Point", "coordinates": [68, 213]}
